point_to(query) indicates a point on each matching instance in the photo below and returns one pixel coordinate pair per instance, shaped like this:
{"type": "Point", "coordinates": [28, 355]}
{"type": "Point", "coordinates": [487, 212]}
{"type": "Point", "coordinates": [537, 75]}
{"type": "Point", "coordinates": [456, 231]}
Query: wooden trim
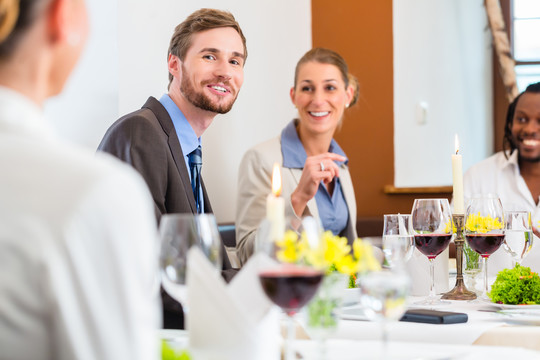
{"type": "Point", "coordinates": [532, 62]}
{"type": "Point", "coordinates": [391, 189]}
{"type": "Point", "coordinates": [502, 46]}
{"type": "Point", "coordinates": [500, 102]}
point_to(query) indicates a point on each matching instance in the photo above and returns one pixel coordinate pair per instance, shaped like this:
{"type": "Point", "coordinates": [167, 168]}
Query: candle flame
{"type": "Point", "coordinates": [276, 180]}
{"type": "Point", "coordinates": [456, 142]}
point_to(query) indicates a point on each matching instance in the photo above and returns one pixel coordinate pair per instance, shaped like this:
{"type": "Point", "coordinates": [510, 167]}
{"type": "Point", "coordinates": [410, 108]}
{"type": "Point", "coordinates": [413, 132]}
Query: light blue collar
{"type": "Point", "coordinates": [294, 154]}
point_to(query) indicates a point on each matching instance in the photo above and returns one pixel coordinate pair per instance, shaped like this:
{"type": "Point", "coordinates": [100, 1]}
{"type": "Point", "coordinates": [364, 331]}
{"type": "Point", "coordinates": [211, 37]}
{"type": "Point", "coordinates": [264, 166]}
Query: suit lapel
{"type": "Point", "coordinates": [207, 206]}
{"type": "Point", "coordinates": [174, 145]}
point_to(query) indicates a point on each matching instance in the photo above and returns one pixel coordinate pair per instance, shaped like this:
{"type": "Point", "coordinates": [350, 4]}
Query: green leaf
{"type": "Point", "coordinates": [167, 353]}
{"type": "Point", "coordinates": [516, 286]}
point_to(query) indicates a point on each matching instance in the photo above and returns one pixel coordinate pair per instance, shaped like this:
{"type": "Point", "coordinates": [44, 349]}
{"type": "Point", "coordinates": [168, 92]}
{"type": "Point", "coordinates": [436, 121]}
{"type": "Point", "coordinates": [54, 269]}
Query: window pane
{"type": "Point", "coordinates": [526, 8]}
{"type": "Point", "coordinates": [527, 74]}
{"type": "Point", "coordinates": [526, 39]}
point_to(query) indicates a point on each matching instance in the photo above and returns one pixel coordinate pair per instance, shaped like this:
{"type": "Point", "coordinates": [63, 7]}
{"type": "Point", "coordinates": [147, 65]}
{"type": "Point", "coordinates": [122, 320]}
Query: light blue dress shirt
{"type": "Point", "coordinates": [333, 210]}
{"type": "Point", "coordinates": [186, 135]}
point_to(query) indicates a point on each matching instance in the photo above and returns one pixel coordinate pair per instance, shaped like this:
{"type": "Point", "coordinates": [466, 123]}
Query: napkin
{"type": "Point", "coordinates": [418, 269]}
{"type": "Point", "coordinates": [234, 321]}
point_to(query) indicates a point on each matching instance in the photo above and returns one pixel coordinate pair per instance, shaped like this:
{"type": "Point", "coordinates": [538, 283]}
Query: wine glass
{"type": "Point", "coordinates": [432, 228]}
{"type": "Point", "coordinates": [178, 233]}
{"type": "Point", "coordinates": [518, 236]}
{"type": "Point", "coordinates": [398, 240]}
{"type": "Point", "coordinates": [290, 287]}
{"type": "Point", "coordinates": [384, 298]}
{"type": "Point", "coordinates": [484, 229]}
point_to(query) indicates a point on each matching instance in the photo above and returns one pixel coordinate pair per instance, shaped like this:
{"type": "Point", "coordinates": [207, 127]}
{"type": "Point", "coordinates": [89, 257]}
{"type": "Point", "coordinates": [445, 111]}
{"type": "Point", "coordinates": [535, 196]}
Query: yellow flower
{"type": "Point", "coordinates": [482, 224]}
{"type": "Point", "coordinates": [334, 247]}
{"type": "Point", "coordinates": [363, 252]}
{"type": "Point", "coordinates": [330, 254]}
{"type": "Point", "coordinates": [347, 265]}
{"type": "Point", "coordinates": [447, 227]}
{"type": "Point", "coordinates": [289, 248]}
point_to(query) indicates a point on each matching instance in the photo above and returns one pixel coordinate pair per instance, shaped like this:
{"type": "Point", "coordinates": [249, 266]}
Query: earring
{"type": "Point", "coordinates": [346, 106]}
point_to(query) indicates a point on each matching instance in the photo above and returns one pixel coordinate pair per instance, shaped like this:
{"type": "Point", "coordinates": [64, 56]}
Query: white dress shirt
{"type": "Point", "coordinates": [78, 249]}
{"type": "Point", "coordinates": [501, 176]}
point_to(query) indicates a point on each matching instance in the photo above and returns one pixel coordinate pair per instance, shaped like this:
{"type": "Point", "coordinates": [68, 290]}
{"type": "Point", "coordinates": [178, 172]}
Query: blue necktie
{"type": "Point", "coordinates": [195, 165]}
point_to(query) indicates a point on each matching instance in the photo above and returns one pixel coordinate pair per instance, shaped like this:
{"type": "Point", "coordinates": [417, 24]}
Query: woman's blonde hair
{"type": "Point", "coordinates": [16, 16]}
{"type": "Point", "coordinates": [9, 12]}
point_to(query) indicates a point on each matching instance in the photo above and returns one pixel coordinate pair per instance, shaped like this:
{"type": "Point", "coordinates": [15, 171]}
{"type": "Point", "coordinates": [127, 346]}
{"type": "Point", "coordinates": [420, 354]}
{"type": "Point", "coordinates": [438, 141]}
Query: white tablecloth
{"type": "Point", "coordinates": [465, 334]}
{"type": "Point", "coordinates": [339, 349]}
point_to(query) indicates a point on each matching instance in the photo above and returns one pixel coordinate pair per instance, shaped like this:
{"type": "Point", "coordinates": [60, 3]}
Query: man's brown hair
{"type": "Point", "coordinates": [200, 20]}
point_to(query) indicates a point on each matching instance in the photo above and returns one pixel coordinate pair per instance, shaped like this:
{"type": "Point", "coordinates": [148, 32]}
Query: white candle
{"type": "Point", "coordinates": [457, 177]}
{"type": "Point", "coordinates": [275, 207]}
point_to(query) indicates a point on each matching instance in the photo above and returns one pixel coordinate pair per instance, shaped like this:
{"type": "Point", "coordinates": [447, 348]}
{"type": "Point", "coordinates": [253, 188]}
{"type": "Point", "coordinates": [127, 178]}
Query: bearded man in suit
{"type": "Point", "coordinates": [206, 70]}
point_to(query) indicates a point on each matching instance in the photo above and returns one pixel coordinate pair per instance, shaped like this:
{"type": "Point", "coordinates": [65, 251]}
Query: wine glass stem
{"type": "Point", "coordinates": [384, 339]}
{"type": "Point", "coordinates": [432, 279]}
{"type": "Point", "coordinates": [484, 259]}
{"type": "Point", "coordinates": [291, 334]}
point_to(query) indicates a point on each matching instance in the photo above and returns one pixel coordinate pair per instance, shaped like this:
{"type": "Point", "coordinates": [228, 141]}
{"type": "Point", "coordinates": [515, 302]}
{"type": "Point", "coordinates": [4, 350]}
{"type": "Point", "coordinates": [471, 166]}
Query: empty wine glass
{"type": "Point", "coordinates": [290, 287]}
{"type": "Point", "coordinates": [484, 230]}
{"type": "Point", "coordinates": [384, 298]}
{"type": "Point", "coordinates": [178, 233]}
{"type": "Point", "coordinates": [398, 239]}
{"type": "Point", "coordinates": [432, 228]}
{"type": "Point", "coordinates": [518, 236]}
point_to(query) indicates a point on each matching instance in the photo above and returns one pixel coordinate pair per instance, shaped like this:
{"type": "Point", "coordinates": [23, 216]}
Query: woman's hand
{"type": "Point", "coordinates": [316, 169]}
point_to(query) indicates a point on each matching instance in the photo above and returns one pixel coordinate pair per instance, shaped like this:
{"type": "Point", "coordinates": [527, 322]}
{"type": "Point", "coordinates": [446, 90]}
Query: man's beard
{"type": "Point", "coordinates": [521, 157]}
{"type": "Point", "coordinates": [199, 99]}
{"type": "Point", "coordinates": [528, 159]}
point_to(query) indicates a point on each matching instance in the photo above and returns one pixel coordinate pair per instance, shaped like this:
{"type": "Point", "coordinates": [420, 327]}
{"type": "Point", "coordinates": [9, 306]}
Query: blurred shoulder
{"type": "Point", "coordinates": [267, 151]}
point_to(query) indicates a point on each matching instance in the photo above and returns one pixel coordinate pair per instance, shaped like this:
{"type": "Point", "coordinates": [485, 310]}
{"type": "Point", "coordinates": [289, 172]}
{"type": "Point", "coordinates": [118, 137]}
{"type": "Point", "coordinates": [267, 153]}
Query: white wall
{"type": "Point", "coordinates": [89, 102]}
{"type": "Point", "coordinates": [442, 56]}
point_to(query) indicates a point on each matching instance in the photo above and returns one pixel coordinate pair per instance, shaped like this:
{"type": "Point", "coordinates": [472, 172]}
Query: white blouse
{"type": "Point", "coordinates": [78, 249]}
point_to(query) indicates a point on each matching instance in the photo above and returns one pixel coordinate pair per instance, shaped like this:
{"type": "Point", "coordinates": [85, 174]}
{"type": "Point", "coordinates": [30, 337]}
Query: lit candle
{"type": "Point", "coordinates": [457, 177]}
{"type": "Point", "coordinates": [275, 207]}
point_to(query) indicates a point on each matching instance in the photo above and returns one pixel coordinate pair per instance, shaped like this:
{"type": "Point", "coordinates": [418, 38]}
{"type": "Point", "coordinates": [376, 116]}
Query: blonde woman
{"type": "Point", "coordinates": [316, 179]}
{"type": "Point", "coordinates": [77, 232]}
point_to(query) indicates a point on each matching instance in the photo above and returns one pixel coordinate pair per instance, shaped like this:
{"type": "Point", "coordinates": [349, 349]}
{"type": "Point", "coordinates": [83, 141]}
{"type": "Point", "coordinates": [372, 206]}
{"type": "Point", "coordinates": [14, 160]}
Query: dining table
{"type": "Point", "coordinates": [492, 331]}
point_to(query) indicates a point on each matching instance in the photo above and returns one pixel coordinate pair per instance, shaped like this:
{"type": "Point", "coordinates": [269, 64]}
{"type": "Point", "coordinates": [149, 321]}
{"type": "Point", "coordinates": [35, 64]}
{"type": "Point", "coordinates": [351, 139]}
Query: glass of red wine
{"type": "Point", "coordinates": [484, 229]}
{"type": "Point", "coordinates": [432, 230]}
{"type": "Point", "coordinates": [290, 287]}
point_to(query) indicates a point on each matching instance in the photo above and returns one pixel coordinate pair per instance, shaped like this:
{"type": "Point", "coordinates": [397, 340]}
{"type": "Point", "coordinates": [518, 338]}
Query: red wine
{"type": "Point", "coordinates": [485, 244]}
{"type": "Point", "coordinates": [432, 245]}
{"type": "Point", "coordinates": [291, 288]}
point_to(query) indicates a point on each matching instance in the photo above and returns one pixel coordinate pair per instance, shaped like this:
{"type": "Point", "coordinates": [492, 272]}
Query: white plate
{"type": "Point", "coordinates": [521, 307]}
{"type": "Point", "coordinates": [355, 312]}
{"type": "Point", "coordinates": [521, 317]}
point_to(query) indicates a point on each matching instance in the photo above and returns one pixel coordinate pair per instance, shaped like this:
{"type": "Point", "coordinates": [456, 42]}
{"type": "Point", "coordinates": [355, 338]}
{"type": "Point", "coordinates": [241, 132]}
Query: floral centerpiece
{"type": "Point", "coordinates": [340, 262]}
{"type": "Point", "coordinates": [482, 224]}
